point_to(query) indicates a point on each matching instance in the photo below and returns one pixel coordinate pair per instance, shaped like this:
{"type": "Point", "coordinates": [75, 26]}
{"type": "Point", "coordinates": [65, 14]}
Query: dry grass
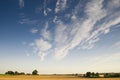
{"type": "Point", "coordinates": [25, 77]}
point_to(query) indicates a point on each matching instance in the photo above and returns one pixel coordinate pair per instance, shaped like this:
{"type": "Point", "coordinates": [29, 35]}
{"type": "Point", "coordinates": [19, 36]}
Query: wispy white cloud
{"type": "Point", "coordinates": [45, 13]}
{"type": "Point", "coordinates": [42, 47]}
{"type": "Point", "coordinates": [81, 32]}
{"type": "Point", "coordinates": [113, 4]}
{"type": "Point", "coordinates": [55, 19]}
{"type": "Point", "coordinates": [49, 10]}
{"type": "Point", "coordinates": [45, 32]}
{"type": "Point", "coordinates": [76, 11]}
{"type": "Point", "coordinates": [74, 17]}
{"type": "Point", "coordinates": [103, 29]}
{"type": "Point", "coordinates": [34, 30]}
{"type": "Point", "coordinates": [21, 3]}
{"type": "Point", "coordinates": [69, 36]}
{"type": "Point", "coordinates": [60, 52]}
{"type": "Point", "coordinates": [46, 10]}
{"type": "Point", "coordinates": [29, 21]}
{"type": "Point", "coordinates": [59, 32]}
{"type": "Point", "coordinates": [81, 29]}
{"type": "Point", "coordinates": [60, 5]}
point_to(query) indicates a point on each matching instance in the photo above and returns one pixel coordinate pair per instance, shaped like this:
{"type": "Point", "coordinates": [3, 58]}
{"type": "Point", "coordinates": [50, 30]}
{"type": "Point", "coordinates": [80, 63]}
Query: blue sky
{"type": "Point", "coordinates": [60, 36]}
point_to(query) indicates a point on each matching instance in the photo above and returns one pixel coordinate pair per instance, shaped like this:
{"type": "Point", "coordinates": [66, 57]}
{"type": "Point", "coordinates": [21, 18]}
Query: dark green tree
{"type": "Point", "coordinates": [97, 75]}
{"type": "Point", "coordinates": [10, 73]}
{"type": "Point", "coordinates": [22, 73]}
{"type": "Point", "coordinates": [35, 72]}
{"type": "Point", "coordinates": [88, 74]}
{"type": "Point", "coordinates": [106, 75]}
{"type": "Point", "coordinates": [16, 73]}
{"type": "Point", "coordinates": [110, 75]}
{"type": "Point", "coordinates": [92, 74]}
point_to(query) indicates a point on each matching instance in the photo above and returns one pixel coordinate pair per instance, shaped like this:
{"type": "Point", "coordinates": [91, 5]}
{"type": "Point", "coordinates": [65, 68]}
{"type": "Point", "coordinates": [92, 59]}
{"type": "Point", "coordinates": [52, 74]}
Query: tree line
{"type": "Point", "coordinates": [97, 75]}
{"type": "Point", "coordinates": [87, 75]}
{"type": "Point", "coordinates": [108, 75]}
{"type": "Point", "coordinates": [34, 72]}
{"type": "Point", "coordinates": [91, 75]}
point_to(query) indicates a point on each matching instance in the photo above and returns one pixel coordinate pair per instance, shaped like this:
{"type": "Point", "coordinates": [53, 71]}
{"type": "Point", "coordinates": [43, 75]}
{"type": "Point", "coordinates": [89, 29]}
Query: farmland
{"type": "Point", "coordinates": [49, 77]}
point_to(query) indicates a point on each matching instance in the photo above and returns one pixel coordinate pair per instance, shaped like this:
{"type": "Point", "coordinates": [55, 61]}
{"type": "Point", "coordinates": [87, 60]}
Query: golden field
{"type": "Point", "coordinates": [30, 77]}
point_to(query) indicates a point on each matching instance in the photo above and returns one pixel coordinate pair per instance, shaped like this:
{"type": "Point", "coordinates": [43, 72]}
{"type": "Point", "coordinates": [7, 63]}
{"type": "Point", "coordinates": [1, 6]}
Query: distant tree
{"type": "Point", "coordinates": [106, 75]}
{"type": "Point", "coordinates": [97, 75]}
{"type": "Point", "coordinates": [10, 73]}
{"type": "Point", "coordinates": [88, 74]}
{"type": "Point", "coordinates": [35, 72]}
{"type": "Point", "coordinates": [116, 75]}
{"type": "Point", "coordinates": [28, 74]}
{"type": "Point", "coordinates": [22, 73]}
{"type": "Point", "coordinates": [76, 74]}
{"type": "Point", "coordinates": [84, 75]}
{"type": "Point", "coordinates": [92, 74]}
{"type": "Point", "coordinates": [16, 73]}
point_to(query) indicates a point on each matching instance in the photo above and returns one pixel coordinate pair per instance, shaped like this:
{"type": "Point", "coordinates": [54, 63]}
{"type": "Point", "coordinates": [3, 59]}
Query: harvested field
{"type": "Point", "coordinates": [30, 77]}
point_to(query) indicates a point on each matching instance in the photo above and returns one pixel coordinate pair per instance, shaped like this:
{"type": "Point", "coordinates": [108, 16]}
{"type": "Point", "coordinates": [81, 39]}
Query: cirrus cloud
{"type": "Point", "coordinates": [80, 31]}
{"type": "Point", "coordinates": [21, 3]}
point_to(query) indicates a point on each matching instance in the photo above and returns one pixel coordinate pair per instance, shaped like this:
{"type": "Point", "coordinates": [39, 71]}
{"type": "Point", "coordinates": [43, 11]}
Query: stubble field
{"type": "Point", "coordinates": [30, 77]}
